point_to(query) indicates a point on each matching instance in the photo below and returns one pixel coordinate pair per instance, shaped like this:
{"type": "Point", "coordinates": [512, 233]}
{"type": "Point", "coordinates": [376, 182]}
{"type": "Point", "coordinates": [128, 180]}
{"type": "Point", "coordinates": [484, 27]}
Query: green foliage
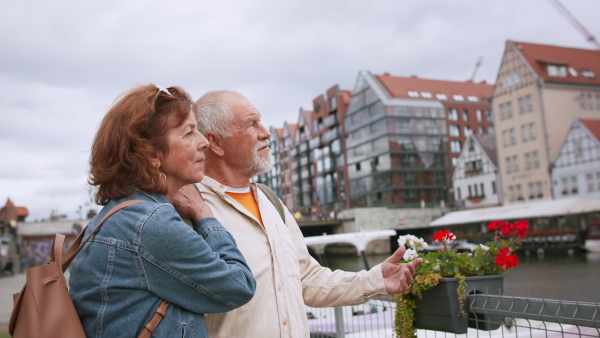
{"type": "Point", "coordinates": [491, 259]}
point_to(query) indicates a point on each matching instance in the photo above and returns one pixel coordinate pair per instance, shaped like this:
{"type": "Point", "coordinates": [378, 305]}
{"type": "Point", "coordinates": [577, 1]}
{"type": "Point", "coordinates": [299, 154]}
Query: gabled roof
{"type": "Point", "coordinates": [488, 143]}
{"type": "Point", "coordinates": [278, 133]}
{"type": "Point", "coordinates": [414, 87]}
{"type": "Point", "coordinates": [12, 213]}
{"type": "Point", "coordinates": [593, 126]}
{"type": "Point", "coordinates": [538, 56]}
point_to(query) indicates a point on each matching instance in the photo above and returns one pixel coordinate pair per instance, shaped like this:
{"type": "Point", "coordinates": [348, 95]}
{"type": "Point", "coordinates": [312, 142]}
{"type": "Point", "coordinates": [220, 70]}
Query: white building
{"type": "Point", "coordinates": [475, 180]}
{"type": "Point", "coordinates": [576, 170]}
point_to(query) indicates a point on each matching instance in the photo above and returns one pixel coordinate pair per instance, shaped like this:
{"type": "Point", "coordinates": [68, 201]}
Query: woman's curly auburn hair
{"type": "Point", "coordinates": [132, 132]}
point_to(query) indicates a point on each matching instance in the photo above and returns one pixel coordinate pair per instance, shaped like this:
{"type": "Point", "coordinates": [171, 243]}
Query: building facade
{"type": "Point", "coordinates": [397, 137]}
{"type": "Point", "coordinates": [475, 179]}
{"type": "Point", "coordinates": [539, 89]}
{"type": "Point", "coordinates": [576, 170]}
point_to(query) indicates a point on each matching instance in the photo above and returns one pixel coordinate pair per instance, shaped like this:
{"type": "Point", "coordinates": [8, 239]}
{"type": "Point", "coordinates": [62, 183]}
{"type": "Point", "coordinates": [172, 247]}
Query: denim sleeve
{"type": "Point", "coordinates": [203, 273]}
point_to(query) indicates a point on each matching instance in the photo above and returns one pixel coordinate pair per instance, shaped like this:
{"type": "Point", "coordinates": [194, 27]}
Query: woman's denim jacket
{"type": "Point", "coordinates": [145, 253]}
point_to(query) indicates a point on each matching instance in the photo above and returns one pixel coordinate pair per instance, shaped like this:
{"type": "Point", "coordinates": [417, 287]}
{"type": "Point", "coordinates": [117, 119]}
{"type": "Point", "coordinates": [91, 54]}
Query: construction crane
{"type": "Point", "coordinates": [476, 68]}
{"type": "Point", "coordinates": [589, 37]}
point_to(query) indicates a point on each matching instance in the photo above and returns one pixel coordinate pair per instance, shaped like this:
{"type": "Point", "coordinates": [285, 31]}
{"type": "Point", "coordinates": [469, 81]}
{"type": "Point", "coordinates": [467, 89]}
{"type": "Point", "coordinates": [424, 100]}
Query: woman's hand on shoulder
{"type": "Point", "coordinates": [189, 204]}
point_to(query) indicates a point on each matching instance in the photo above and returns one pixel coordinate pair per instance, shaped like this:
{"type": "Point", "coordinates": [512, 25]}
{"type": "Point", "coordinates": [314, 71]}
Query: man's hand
{"type": "Point", "coordinates": [398, 277]}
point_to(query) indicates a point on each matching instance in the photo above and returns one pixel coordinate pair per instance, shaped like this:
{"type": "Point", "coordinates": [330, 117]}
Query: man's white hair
{"type": "Point", "coordinates": [214, 114]}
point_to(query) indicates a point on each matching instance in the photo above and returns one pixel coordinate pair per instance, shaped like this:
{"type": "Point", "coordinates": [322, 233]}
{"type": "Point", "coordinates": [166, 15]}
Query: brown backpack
{"type": "Point", "coordinates": [44, 308]}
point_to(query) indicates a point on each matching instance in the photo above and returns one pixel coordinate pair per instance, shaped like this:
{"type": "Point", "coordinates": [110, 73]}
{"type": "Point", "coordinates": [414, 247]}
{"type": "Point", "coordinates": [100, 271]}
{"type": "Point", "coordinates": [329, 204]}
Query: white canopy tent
{"type": "Point", "coordinates": [549, 208]}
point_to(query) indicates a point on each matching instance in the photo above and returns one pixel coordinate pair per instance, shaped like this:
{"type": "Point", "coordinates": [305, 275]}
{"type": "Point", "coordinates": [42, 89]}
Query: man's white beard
{"type": "Point", "coordinates": [260, 164]}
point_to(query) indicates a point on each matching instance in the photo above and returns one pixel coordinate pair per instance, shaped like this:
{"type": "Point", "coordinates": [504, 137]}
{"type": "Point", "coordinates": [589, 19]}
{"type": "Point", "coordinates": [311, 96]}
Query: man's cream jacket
{"type": "Point", "coordinates": [287, 277]}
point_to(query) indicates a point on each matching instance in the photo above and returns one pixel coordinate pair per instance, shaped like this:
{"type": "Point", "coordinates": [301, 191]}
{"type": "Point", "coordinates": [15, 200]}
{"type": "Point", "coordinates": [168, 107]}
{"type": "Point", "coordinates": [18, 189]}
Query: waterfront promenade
{"type": "Point", "coordinates": [9, 285]}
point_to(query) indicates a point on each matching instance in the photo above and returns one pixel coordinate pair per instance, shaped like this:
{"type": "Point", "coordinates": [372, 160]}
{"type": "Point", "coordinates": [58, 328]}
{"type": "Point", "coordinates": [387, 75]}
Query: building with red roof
{"type": "Point", "coordinates": [404, 133]}
{"type": "Point", "coordinates": [538, 91]}
{"type": "Point", "coordinates": [11, 213]}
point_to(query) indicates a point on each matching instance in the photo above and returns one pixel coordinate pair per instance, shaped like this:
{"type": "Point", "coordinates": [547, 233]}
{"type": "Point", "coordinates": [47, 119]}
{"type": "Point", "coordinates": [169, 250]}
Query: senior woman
{"type": "Point", "coordinates": [148, 148]}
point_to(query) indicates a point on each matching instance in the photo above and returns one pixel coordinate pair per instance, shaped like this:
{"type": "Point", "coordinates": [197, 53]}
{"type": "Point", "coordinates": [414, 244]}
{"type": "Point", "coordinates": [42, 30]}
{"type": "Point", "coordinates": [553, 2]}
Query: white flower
{"type": "Point", "coordinates": [436, 268]}
{"type": "Point", "coordinates": [410, 255]}
{"type": "Point", "coordinates": [484, 248]}
{"type": "Point", "coordinates": [422, 245]}
{"type": "Point", "coordinates": [402, 240]}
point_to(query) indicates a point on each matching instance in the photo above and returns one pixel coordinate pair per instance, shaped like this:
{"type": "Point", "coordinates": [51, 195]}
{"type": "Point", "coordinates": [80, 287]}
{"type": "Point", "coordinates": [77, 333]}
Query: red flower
{"type": "Point", "coordinates": [506, 259]}
{"type": "Point", "coordinates": [494, 225]}
{"type": "Point", "coordinates": [443, 235]}
{"type": "Point", "coordinates": [521, 228]}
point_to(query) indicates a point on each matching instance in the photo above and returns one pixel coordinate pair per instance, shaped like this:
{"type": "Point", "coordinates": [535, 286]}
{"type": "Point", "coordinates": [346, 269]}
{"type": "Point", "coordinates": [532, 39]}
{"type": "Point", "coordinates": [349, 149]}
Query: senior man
{"type": "Point", "coordinates": [287, 276]}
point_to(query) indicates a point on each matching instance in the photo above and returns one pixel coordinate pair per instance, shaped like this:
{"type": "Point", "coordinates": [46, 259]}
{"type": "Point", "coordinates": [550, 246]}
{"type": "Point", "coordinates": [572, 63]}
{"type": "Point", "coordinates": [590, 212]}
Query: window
{"type": "Point", "coordinates": [482, 190]}
{"type": "Point", "coordinates": [454, 161]}
{"type": "Point", "coordinates": [491, 129]}
{"type": "Point", "coordinates": [511, 193]}
{"type": "Point", "coordinates": [519, 192]}
{"type": "Point", "coordinates": [529, 103]}
{"type": "Point", "coordinates": [453, 114]}
{"type": "Point", "coordinates": [532, 131]}
{"type": "Point", "coordinates": [598, 181]}
{"type": "Point", "coordinates": [525, 132]}
{"type": "Point", "coordinates": [455, 146]}
{"type": "Point", "coordinates": [470, 191]}
{"type": "Point", "coordinates": [588, 73]}
{"type": "Point", "coordinates": [502, 112]}
{"type": "Point", "coordinates": [509, 110]}
{"type": "Point", "coordinates": [589, 180]}
{"type": "Point", "coordinates": [458, 197]}
{"type": "Point", "coordinates": [454, 130]}
{"type": "Point", "coordinates": [531, 190]}
{"type": "Point", "coordinates": [527, 161]}
{"type": "Point", "coordinates": [494, 187]}
{"type": "Point", "coordinates": [490, 116]}
{"type": "Point", "coordinates": [480, 130]}
{"type": "Point", "coordinates": [426, 95]}
{"type": "Point", "coordinates": [521, 105]}
{"type": "Point", "coordinates": [472, 98]}
{"type": "Point", "coordinates": [413, 93]}
{"type": "Point", "coordinates": [465, 115]}
{"type": "Point", "coordinates": [480, 115]}
{"type": "Point", "coordinates": [516, 163]}
{"type": "Point", "coordinates": [578, 148]}
{"type": "Point", "coordinates": [467, 131]}
{"type": "Point", "coordinates": [441, 96]}
{"type": "Point", "coordinates": [557, 70]}
{"type": "Point", "coordinates": [536, 159]}
{"type": "Point", "coordinates": [511, 134]}
{"type": "Point", "coordinates": [458, 97]}
{"type": "Point", "coordinates": [505, 140]}
{"type": "Point", "coordinates": [332, 103]}
{"type": "Point", "coordinates": [574, 184]}
{"type": "Point", "coordinates": [565, 185]}
{"type": "Point", "coordinates": [538, 185]}
{"type": "Point", "coordinates": [508, 165]}
{"type": "Point", "coordinates": [358, 166]}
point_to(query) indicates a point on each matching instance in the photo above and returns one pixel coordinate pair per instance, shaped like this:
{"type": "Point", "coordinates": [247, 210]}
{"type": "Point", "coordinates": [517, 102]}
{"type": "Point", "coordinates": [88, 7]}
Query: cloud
{"type": "Point", "coordinates": [65, 62]}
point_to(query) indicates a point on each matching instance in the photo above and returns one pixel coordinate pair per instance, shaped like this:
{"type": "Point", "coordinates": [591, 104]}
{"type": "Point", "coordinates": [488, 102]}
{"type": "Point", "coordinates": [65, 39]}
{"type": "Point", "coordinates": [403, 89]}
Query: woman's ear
{"type": "Point", "coordinates": [155, 161]}
{"type": "Point", "coordinates": [216, 143]}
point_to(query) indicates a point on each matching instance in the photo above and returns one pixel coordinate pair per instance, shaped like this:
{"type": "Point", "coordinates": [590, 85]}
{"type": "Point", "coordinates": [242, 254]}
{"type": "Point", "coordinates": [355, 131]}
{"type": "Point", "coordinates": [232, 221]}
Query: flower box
{"type": "Point", "coordinates": [439, 308]}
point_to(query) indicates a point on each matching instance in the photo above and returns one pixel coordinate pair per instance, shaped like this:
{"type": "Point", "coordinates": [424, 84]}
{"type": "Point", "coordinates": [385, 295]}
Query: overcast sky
{"type": "Point", "coordinates": [63, 63]}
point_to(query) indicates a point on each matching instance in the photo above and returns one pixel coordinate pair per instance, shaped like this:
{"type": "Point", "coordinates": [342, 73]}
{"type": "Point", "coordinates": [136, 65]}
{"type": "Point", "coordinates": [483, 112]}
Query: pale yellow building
{"type": "Point", "coordinates": [539, 89]}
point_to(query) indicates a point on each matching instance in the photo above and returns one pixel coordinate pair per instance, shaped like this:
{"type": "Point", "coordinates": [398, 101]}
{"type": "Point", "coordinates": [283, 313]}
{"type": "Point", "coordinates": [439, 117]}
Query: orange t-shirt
{"type": "Point", "coordinates": [246, 199]}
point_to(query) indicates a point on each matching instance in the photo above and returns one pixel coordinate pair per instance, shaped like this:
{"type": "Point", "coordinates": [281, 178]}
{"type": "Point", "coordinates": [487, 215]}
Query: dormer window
{"type": "Point", "coordinates": [441, 96]}
{"type": "Point", "coordinates": [426, 95]}
{"type": "Point", "coordinates": [412, 93]}
{"type": "Point", "coordinates": [457, 97]}
{"type": "Point", "coordinates": [573, 72]}
{"type": "Point", "coordinates": [556, 70]}
{"type": "Point", "coordinates": [472, 98]}
{"type": "Point", "coordinates": [588, 73]}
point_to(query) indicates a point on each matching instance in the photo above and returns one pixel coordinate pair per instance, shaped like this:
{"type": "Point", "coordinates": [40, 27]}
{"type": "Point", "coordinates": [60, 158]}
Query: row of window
{"type": "Point", "coordinates": [532, 160]}
{"type": "Point", "coordinates": [454, 130]}
{"type": "Point", "coordinates": [525, 105]}
{"type": "Point", "coordinates": [476, 191]}
{"type": "Point", "coordinates": [586, 101]}
{"type": "Point", "coordinates": [453, 115]}
{"type": "Point", "coordinates": [528, 132]}
{"type": "Point", "coordinates": [515, 193]}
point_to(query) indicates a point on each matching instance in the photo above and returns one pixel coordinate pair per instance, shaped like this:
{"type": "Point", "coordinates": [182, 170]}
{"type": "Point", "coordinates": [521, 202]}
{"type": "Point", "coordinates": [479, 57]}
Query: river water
{"type": "Point", "coordinates": [557, 276]}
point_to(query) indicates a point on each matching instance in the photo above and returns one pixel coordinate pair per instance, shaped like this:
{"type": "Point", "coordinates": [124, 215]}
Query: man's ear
{"type": "Point", "coordinates": [216, 143]}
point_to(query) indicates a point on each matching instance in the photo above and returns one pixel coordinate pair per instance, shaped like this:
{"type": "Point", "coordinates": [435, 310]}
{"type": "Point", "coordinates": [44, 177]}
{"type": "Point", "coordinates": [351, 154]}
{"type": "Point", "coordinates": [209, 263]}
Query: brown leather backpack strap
{"type": "Point", "coordinates": [77, 245]}
{"type": "Point", "coordinates": [151, 325]}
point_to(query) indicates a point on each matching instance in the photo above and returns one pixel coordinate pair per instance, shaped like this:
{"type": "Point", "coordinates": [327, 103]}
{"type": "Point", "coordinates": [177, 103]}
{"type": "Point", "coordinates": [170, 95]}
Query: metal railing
{"type": "Point", "coordinates": [517, 316]}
